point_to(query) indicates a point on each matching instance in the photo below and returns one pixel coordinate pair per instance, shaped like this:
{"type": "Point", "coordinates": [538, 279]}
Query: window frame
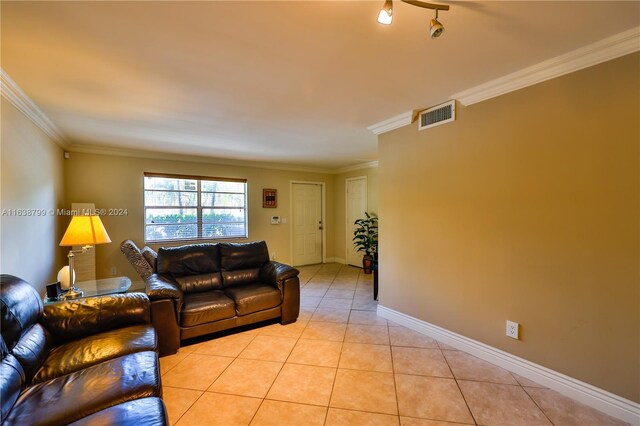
{"type": "Point", "coordinates": [199, 207]}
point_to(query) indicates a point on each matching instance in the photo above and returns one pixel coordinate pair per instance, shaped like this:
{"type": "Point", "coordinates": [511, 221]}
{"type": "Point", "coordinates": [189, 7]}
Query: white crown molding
{"type": "Point", "coordinates": [367, 165]}
{"type": "Point", "coordinates": [604, 50]}
{"type": "Point", "coordinates": [126, 152]}
{"type": "Point", "coordinates": [590, 395]}
{"type": "Point", "coordinates": [18, 98]}
{"type": "Point", "coordinates": [392, 123]}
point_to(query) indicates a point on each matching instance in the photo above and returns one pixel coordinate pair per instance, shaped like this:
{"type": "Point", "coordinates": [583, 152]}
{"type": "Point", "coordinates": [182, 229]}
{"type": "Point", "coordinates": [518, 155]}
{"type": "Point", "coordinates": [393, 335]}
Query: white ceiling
{"type": "Point", "coordinates": [294, 82]}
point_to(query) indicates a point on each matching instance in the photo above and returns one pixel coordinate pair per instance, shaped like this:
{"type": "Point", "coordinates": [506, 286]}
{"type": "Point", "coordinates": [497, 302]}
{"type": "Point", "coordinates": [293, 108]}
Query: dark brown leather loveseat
{"type": "Point", "coordinates": [88, 362]}
{"type": "Point", "coordinates": [203, 288]}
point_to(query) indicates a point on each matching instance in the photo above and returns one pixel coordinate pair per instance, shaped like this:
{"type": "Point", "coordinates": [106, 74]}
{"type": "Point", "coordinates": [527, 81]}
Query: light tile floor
{"type": "Point", "coordinates": [341, 364]}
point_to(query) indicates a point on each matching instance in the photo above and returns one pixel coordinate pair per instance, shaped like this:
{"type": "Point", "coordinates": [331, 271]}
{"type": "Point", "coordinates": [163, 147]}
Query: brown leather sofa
{"type": "Point", "coordinates": [88, 362]}
{"type": "Point", "coordinates": [203, 288]}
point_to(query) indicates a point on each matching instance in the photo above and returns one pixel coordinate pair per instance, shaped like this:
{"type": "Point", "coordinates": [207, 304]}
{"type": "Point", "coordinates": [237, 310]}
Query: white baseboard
{"type": "Point", "coordinates": [335, 260]}
{"type": "Point", "coordinates": [585, 393]}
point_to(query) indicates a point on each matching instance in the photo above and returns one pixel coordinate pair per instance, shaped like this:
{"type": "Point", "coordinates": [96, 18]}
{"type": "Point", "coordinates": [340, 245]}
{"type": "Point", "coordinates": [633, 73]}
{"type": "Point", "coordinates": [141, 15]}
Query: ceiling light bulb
{"type": "Point", "coordinates": [385, 16]}
{"type": "Point", "coordinates": [436, 28]}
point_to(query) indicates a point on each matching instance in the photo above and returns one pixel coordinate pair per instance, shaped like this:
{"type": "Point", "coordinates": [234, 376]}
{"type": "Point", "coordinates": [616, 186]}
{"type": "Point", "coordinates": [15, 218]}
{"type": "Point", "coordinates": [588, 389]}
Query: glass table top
{"type": "Point", "coordinates": [100, 287]}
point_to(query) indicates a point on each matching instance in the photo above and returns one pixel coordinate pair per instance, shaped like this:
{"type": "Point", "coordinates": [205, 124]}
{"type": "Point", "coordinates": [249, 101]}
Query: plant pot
{"type": "Point", "coordinates": [367, 263]}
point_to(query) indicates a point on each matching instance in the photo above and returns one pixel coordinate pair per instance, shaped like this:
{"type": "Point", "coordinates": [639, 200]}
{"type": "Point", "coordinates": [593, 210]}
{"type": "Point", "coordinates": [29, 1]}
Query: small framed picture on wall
{"type": "Point", "coordinates": [269, 198]}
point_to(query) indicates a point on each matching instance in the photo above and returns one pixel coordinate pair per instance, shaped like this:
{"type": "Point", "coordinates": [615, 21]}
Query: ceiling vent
{"type": "Point", "coordinates": [437, 115]}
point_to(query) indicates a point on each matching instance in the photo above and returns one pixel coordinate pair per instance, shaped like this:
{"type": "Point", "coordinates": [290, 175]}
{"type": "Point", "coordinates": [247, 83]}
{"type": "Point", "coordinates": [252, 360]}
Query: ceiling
{"type": "Point", "coordinates": [290, 82]}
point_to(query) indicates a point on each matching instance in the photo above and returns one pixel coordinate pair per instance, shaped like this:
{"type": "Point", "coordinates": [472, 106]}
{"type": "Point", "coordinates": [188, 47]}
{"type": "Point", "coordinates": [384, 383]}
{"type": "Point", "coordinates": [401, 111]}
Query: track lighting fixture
{"type": "Point", "coordinates": [436, 29]}
{"type": "Point", "coordinates": [386, 13]}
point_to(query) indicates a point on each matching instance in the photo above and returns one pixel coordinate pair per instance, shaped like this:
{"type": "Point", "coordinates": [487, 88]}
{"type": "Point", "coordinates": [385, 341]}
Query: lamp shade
{"type": "Point", "coordinates": [85, 230]}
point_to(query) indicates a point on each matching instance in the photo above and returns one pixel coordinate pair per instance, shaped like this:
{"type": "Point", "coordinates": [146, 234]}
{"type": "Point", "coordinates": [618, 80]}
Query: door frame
{"type": "Point", "coordinates": [323, 200]}
{"type": "Point", "coordinates": [348, 228]}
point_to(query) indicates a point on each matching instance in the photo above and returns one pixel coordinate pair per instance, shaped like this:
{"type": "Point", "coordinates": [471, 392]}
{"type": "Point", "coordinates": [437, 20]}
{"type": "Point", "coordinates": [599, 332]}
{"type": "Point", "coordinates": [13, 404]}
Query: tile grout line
{"type": "Point", "coordinates": [534, 402]}
{"type": "Point", "coordinates": [234, 360]}
{"type": "Point", "coordinates": [393, 372]}
{"type": "Point", "coordinates": [459, 388]}
{"type": "Point", "coordinates": [214, 380]}
{"type": "Point", "coordinates": [283, 364]}
{"type": "Point", "coordinates": [333, 385]}
{"type": "Point", "coordinates": [187, 410]}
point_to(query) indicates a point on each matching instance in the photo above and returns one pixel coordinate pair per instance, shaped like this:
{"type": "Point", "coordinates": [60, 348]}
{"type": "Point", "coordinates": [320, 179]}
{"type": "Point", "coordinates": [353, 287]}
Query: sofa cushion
{"type": "Point", "coordinates": [97, 348]}
{"type": "Point", "coordinates": [201, 308]}
{"type": "Point", "coordinates": [199, 283]}
{"type": "Point", "coordinates": [243, 276]}
{"type": "Point", "coordinates": [71, 397]}
{"type": "Point", "coordinates": [236, 256]}
{"type": "Point", "coordinates": [254, 297]}
{"type": "Point", "coordinates": [145, 411]}
{"type": "Point", "coordinates": [192, 259]}
{"type": "Point", "coordinates": [79, 318]}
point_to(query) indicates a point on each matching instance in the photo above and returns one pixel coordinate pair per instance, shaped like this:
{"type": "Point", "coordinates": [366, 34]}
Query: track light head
{"type": "Point", "coordinates": [386, 13]}
{"type": "Point", "coordinates": [436, 28]}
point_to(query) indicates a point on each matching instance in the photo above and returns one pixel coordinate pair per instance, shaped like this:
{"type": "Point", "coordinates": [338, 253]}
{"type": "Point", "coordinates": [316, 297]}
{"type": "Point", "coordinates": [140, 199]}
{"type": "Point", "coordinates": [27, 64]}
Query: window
{"type": "Point", "coordinates": [193, 208]}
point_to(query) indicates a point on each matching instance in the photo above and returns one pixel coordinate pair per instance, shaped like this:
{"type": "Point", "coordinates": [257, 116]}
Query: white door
{"type": "Point", "coordinates": [356, 189]}
{"type": "Point", "coordinates": [307, 223]}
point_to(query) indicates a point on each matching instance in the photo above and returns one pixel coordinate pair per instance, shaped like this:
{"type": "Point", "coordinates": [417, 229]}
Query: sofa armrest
{"type": "Point", "coordinates": [160, 287]}
{"type": "Point", "coordinates": [74, 319]}
{"type": "Point", "coordinates": [276, 273]}
{"type": "Point", "coordinates": [286, 278]}
{"type": "Point", "coordinates": [284, 272]}
{"type": "Point", "coordinates": [166, 304]}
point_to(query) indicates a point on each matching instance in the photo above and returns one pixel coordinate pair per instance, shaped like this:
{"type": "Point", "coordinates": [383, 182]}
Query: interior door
{"type": "Point", "coordinates": [307, 223]}
{"type": "Point", "coordinates": [356, 189]}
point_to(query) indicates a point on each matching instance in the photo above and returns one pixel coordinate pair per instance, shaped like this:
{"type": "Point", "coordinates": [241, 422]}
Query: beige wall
{"type": "Point", "coordinates": [116, 182]}
{"type": "Point", "coordinates": [32, 178]}
{"type": "Point", "coordinates": [525, 208]}
{"type": "Point", "coordinates": [339, 200]}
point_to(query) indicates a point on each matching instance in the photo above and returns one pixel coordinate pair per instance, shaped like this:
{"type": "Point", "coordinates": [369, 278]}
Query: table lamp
{"type": "Point", "coordinates": [85, 231]}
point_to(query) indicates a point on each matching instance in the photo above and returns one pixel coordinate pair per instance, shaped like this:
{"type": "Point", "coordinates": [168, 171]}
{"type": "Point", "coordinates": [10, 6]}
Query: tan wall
{"type": "Point", "coordinates": [116, 182]}
{"type": "Point", "coordinates": [526, 208]}
{"type": "Point", "coordinates": [32, 178]}
{"type": "Point", "coordinates": [340, 210]}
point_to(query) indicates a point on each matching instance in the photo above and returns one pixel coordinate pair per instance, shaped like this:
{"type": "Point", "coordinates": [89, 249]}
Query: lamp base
{"type": "Point", "coordinates": [73, 293]}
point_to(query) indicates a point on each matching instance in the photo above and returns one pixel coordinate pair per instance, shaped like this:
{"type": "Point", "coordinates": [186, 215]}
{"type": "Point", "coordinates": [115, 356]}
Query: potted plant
{"type": "Point", "coordinates": [365, 239]}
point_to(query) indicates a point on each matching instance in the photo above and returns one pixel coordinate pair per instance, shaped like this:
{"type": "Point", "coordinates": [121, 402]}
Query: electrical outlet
{"type": "Point", "coordinates": [114, 271]}
{"type": "Point", "coordinates": [273, 255]}
{"type": "Point", "coordinates": [512, 329]}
